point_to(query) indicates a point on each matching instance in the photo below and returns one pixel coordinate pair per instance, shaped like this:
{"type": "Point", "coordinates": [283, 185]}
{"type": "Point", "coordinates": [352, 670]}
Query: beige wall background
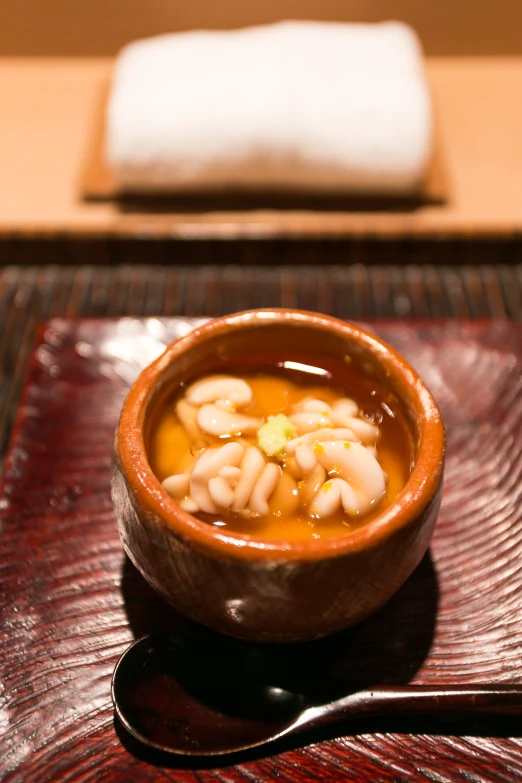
{"type": "Point", "coordinates": [101, 27]}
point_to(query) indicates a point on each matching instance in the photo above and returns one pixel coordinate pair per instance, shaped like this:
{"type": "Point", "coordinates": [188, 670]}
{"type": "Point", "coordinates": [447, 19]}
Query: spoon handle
{"type": "Point", "coordinates": [415, 699]}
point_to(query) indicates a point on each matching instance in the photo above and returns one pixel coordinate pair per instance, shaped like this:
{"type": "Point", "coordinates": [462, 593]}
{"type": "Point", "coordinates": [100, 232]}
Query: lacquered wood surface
{"type": "Point", "coordinates": [71, 602]}
{"type": "Point", "coordinates": [478, 125]}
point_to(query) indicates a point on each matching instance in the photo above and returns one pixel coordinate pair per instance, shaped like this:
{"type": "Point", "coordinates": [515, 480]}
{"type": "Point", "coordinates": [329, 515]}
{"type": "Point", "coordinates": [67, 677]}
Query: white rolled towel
{"type": "Point", "coordinates": [312, 106]}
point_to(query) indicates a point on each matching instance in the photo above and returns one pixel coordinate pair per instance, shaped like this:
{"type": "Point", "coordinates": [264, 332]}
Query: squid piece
{"type": "Point", "coordinates": [188, 416]}
{"type": "Point", "coordinates": [251, 467]}
{"type": "Point", "coordinates": [333, 456]}
{"type": "Point", "coordinates": [177, 486]}
{"type": "Point", "coordinates": [231, 474]}
{"type": "Point", "coordinates": [220, 491]}
{"type": "Point", "coordinates": [366, 431]}
{"type": "Point", "coordinates": [333, 495]}
{"type": "Point", "coordinates": [355, 464]}
{"type": "Point", "coordinates": [321, 436]}
{"type": "Point", "coordinates": [342, 410]}
{"type": "Point", "coordinates": [218, 422]}
{"type": "Point", "coordinates": [207, 468]}
{"type": "Point", "coordinates": [309, 422]}
{"type": "Point", "coordinates": [263, 488]}
{"type": "Point", "coordinates": [291, 466]}
{"type": "Point", "coordinates": [189, 505]}
{"type": "Point", "coordinates": [305, 457]}
{"type": "Point", "coordinates": [313, 405]}
{"type": "Point", "coordinates": [233, 392]}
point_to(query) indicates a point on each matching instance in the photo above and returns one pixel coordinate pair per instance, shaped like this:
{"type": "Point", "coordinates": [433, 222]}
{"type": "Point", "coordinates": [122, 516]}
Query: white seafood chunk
{"type": "Point", "coordinates": [313, 405]}
{"type": "Point", "coordinates": [208, 453]}
{"type": "Point", "coordinates": [234, 391]}
{"type": "Point", "coordinates": [332, 495]}
{"type": "Point", "coordinates": [351, 502]}
{"type": "Point", "coordinates": [188, 416]}
{"type": "Point", "coordinates": [333, 457]}
{"type": "Point", "coordinates": [208, 467]}
{"type": "Point", "coordinates": [221, 492]}
{"type": "Point", "coordinates": [177, 486]}
{"type": "Point", "coordinates": [325, 434]}
{"type": "Point", "coordinates": [342, 410]}
{"type": "Point", "coordinates": [366, 431]}
{"type": "Point", "coordinates": [252, 465]}
{"type": "Point", "coordinates": [189, 505]}
{"type": "Point", "coordinates": [354, 464]}
{"type": "Point", "coordinates": [218, 422]}
{"type": "Point", "coordinates": [327, 500]}
{"type": "Point", "coordinates": [263, 488]}
{"type": "Point", "coordinates": [231, 474]}
{"type": "Point", "coordinates": [225, 405]}
{"type": "Point", "coordinates": [309, 421]}
{"type": "Point", "coordinates": [292, 467]}
{"type": "Point", "coordinates": [305, 457]}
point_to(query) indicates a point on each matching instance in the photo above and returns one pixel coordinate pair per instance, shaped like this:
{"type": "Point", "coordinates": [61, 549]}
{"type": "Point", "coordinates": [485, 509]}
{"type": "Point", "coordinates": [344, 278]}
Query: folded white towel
{"type": "Point", "coordinates": [295, 105]}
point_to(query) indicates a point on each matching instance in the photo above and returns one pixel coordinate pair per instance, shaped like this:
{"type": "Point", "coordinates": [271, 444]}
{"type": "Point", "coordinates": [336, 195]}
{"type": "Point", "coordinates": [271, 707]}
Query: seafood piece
{"type": "Point", "coordinates": [333, 494]}
{"type": "Point", "coordinates": [251, 466]}
{"type": "Point", "coordinates": [235, 392]}
{"type": "Point", "coordinates": [221, 492]}
{"type": "Point", "coordinates": [343, 409]}
{"type": "Point", "coordinates": [366, 431]}
{"type": "Point", "coordinates": [313, 405]}
{"type": "Point", "coordinates": [177, 486]}
{"type": "Point", "coordinates": [218, 422]}
{"type": "Point", "coordinates": [309, 421]}
{"type": "Point", "coordinates": [231, 473]}
{"type": "Point", "coordinates": [263, 488]}
{"type": "Point", "coordinates": [305, 457]}
{"type": "Point", "coordinates": [342, 433]}
{"type": "Point", "coordinates": [208, 468]}
{"type": "Point", "coordinates": [188, 416]}
{"type": "Point", "coordinates": [355, 464]}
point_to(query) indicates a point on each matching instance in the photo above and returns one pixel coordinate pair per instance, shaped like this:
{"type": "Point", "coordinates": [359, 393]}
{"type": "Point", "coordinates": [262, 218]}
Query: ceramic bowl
{"type": "Point", "coordinates": [274, 590]}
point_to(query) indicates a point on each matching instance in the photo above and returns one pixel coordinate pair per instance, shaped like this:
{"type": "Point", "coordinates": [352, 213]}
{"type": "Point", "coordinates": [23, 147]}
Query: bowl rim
{"type": "Point", "coordinates": [420, 489]}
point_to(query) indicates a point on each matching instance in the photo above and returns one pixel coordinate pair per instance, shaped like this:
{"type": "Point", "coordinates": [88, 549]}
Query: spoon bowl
{"type": "Point", "coordinates": [165, 697]}
{"type": "Point", "coordinates": [169, 704]}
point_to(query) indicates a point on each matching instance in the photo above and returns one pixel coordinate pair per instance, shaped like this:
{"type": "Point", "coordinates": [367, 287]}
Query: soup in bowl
{"type": "Point", "coordinates": [277, 474]}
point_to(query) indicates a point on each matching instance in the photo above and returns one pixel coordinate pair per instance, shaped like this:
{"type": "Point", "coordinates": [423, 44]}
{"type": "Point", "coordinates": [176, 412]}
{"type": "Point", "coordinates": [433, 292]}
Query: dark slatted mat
{"type": "Point", "coordinates": [31, 294]}
{"type": "Point", "coordinates": [70, 603]}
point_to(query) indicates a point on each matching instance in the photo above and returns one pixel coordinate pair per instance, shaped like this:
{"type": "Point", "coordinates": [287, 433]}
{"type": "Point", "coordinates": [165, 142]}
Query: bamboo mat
{"type": "Point", "coordinates": [32, 294]}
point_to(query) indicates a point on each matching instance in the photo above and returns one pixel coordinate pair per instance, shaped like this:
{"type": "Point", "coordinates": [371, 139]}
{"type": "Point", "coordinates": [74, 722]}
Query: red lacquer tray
{"type": "Point", "coordinates": [71, 602]}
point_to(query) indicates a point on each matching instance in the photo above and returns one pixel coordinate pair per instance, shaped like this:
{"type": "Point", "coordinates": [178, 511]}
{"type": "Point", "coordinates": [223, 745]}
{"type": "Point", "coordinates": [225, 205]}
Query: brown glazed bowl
{"type": "Point", "coordinates": [274, 591]}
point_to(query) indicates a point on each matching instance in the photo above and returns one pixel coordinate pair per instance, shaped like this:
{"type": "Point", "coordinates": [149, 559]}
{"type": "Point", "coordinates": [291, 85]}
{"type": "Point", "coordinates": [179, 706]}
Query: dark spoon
{"type": "Point", "coordinates": [166, 699]}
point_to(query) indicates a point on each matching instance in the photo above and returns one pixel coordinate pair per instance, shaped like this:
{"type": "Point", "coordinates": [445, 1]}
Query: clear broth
{"type": "Point", "coordinates": [275, 390]}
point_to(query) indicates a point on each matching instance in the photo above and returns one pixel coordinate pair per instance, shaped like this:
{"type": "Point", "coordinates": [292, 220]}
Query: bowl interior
{"type": "Point", "coordinates": [245, 340]}
{"type": "Point", "coordinates": [257, 344]}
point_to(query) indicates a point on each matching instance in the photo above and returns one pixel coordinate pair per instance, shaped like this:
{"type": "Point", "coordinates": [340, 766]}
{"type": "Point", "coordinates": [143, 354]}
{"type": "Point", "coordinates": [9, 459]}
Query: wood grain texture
{"type": "Point", "coordinates": [70, 602]}
{"type": "Point", "coordinates": [479, 125]}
